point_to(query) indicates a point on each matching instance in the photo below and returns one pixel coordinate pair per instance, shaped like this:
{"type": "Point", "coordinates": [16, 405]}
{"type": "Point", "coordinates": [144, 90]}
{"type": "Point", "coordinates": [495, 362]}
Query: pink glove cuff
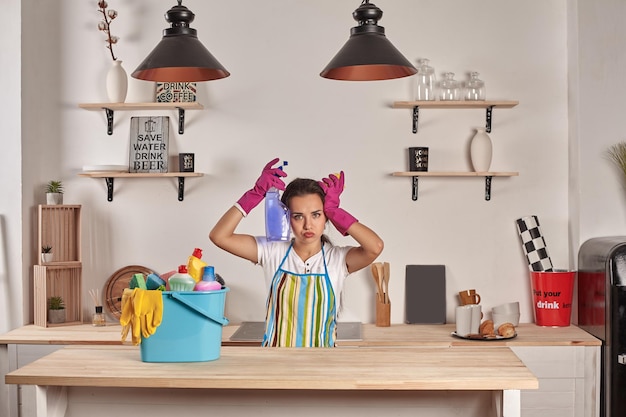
{"type": "Point", "coordinates": [341, 219]}
{"type": "Point", "coordinates": [248, 201]}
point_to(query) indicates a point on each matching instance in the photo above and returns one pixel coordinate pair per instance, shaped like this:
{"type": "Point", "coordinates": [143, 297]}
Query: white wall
{"type": "Point", "coordinates": [275, 104]}
{"type": "Point", "coordinates": [11, 290]}
{"type": "Point", "coordinates": [602, 88]}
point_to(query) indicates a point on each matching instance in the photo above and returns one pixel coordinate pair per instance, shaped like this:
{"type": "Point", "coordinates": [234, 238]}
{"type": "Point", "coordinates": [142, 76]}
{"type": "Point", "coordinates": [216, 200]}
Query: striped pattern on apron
{"type": "Point", "coordinates": [301, 309]}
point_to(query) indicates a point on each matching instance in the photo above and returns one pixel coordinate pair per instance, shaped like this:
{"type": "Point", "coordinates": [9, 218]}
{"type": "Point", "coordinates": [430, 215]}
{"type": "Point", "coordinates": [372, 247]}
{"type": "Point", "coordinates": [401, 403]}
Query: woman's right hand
{"type": "Point", "coordinates": [270, 177]}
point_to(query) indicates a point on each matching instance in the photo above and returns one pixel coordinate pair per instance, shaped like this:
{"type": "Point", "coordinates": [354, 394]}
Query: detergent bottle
{"type": "Point", "coordinates": [195, 264]}
{"type": "Point", "coordinates": [277, 226]}
{"type": "Point", "coordinates": [181, 280]}
{"type": "Point", "coordinates": [208, 282]}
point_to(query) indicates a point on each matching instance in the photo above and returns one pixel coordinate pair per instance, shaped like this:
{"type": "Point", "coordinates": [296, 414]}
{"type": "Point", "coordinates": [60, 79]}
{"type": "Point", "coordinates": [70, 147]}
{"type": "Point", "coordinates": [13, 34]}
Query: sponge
{"type": "Point", "coordinates": [138, 281]}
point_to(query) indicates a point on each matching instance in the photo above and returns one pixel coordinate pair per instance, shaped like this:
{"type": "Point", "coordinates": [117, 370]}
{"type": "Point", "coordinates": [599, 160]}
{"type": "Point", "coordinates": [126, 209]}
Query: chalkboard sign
{"type": "Point", "coordinates": [149, 140]}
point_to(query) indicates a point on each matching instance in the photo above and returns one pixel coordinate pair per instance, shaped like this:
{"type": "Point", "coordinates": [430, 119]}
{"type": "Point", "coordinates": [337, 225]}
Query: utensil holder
{"type": "Point", "coordinates": [383, 313]}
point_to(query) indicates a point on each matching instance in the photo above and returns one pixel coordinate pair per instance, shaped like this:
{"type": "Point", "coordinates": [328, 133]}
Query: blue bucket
{"type": "Point", "coordinates": [191, 330]}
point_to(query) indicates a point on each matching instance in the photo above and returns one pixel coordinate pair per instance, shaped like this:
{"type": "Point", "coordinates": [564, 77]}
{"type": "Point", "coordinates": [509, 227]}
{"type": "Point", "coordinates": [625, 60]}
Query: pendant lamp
{"type": "Point", "coordinates": [180, 56]}
{"type": "Point", "coordinates": [368, 55]}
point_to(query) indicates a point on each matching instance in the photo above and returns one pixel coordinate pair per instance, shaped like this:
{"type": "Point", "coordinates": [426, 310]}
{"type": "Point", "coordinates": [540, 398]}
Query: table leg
{"type": "Point", "coordinates": [508, 403]}
{"type": "Point", "coordinates": [8, 393]}
{"type": "Point", "coordinates": [51, 401]}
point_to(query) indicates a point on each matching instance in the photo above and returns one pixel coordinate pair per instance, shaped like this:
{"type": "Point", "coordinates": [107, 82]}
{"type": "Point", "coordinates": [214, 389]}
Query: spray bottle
{"type": "Point", "coordinates": [277, 225]}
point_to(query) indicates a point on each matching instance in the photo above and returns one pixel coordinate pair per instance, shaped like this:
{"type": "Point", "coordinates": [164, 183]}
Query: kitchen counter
{"type": "Point", "coordinates": [421, 335]}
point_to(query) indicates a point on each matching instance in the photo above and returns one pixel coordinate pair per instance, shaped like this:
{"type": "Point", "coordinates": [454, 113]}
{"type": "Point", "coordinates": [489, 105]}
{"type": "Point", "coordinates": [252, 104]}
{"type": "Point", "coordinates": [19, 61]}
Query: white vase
{"type": "Point", "coordinates": [117, 83]}
{"type": "Point", "coordinates": [481, 151]}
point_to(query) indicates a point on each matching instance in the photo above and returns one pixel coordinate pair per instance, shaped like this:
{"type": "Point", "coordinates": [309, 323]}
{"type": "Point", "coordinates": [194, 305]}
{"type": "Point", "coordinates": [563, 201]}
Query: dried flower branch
{"type": "Point", "coordinates": [617, 154]}
{"type": "Point", "coordinates": [105, 25]}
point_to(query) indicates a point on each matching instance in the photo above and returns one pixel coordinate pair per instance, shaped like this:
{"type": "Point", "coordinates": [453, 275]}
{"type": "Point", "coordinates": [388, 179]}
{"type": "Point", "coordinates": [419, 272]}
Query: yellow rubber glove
{"type": "Point", "coordinates": [142, 313]}
{"type": "Point", "coordinates": [152, 312]}
{"type": "Point", "coordinates": [128, 313]}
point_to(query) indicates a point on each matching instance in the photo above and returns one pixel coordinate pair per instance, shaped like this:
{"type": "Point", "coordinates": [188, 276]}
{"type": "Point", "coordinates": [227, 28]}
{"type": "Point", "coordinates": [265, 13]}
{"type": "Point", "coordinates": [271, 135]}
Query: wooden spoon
{"type": "Point", "coordinates": [386, 274]}
{"type": "Point", "coordinates": [376, 274]}
{"type": "Point", "coordinates": [381, 273]}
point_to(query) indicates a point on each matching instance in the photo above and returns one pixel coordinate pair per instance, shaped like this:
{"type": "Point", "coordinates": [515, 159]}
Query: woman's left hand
{"type": "Point", "coordinates": [333, 187]}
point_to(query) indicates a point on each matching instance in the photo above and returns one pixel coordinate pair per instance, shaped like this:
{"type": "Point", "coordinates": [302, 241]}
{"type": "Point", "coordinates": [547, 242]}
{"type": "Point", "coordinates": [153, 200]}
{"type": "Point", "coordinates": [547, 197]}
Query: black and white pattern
{"type": "Point", "coordinates": [533, 244]}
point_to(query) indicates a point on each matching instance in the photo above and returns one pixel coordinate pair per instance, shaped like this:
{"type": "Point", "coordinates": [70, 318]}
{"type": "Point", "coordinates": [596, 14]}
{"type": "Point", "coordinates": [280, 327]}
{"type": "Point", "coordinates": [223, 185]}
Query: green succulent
{"type": "Point", "coordinates": [56, 303]}
{"type": "Point", "coordinates": [54, 187]}
{"type": "Point", "coordinates": [46, 249]}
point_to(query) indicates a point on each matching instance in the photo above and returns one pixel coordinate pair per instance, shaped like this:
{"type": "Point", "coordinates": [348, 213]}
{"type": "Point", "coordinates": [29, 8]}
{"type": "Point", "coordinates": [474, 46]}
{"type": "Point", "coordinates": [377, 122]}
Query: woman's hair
{"type": "Point", "coordinates": [304, 186]}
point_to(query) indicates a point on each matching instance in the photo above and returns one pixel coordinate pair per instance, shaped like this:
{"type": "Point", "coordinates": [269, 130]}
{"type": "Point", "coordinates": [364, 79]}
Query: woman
{"type": "Point", "coordinates": [306, 275]}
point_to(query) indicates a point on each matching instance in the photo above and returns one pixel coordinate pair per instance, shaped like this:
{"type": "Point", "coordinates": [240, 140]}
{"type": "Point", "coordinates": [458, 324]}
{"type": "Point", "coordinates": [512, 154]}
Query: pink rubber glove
{"type": "Point", "coordinates": [270, 177]}
{"type": "Point", "coordinates": [333, 187]}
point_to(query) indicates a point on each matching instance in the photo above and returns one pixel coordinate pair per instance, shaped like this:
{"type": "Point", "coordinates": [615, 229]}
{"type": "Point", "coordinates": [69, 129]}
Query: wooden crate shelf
{"type": "Point", "coordinates": [59, 227]}
{"type": "Point", "coordinates": [62, 281]}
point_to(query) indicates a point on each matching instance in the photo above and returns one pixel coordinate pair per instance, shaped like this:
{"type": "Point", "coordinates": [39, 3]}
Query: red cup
{"type": "Point", "coordinates": [552, 297]}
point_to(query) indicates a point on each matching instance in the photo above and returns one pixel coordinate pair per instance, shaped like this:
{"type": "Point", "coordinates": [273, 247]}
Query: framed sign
{"type": "Point", "coordinates": [176, 92]}
{"type": "Point", "coordinates": [186, 162]}
{"type": "Point", "coordinates": [149, 140]}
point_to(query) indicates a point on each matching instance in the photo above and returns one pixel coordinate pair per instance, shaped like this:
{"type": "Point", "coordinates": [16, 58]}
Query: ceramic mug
{"type": "Point", "coordinates": [469, 297]}
{"type": "Point", "coordinates": [468, 319]}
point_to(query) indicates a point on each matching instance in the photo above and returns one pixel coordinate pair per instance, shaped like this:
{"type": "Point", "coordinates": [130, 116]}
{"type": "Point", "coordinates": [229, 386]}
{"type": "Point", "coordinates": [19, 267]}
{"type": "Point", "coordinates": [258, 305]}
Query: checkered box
{"type": "Point", "coordinates": [533, 244]}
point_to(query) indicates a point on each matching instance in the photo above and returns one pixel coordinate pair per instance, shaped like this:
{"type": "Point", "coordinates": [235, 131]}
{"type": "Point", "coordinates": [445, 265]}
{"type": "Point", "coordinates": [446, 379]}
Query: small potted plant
{"type": "Point", "coordinates": [54, 192]}
{"type": "Point", "coordinates": [56, 310]}
{"type": "Point", "coordinates": [46, 253]}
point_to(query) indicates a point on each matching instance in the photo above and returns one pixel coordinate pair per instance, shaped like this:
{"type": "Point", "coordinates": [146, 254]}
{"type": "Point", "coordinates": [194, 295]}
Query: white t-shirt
{"type": "Point", "coordinates": [270, 255]}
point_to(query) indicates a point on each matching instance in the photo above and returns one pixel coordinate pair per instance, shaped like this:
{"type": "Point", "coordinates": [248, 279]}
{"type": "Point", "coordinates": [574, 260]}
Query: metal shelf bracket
{"type": "Point", "coordinates": [109, 114]}
{"type": "Point", "coordinates": [181, 188]}
{"type": "Point", "coordinates": [489, 111]}
{"type": "Point", "coordinates": [109, 182]}
{"type": "Point", "coordinates": [181, 122]}
{"type": "Point", "coordinates": [414, 188]}
{"type": "Point", "coordinates": [416, 116]}
{"type": "Point", "coordinates": [488, 188]}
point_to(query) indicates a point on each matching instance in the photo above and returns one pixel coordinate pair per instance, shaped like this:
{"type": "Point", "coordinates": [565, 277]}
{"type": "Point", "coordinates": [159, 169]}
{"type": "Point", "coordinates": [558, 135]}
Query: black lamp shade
{"type": "Point", "coordinates": [368, 55]}
{"type": "Point", "coordinates": [180, 56]}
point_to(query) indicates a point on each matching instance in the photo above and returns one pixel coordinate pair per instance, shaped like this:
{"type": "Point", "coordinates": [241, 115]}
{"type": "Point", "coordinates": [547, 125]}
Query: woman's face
{"type": "Point", "coordinates": [307, 217]}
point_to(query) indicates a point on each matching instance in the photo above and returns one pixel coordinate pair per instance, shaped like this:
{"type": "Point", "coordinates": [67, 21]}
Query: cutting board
{"type": "Point", "coordinates": [425, 292]}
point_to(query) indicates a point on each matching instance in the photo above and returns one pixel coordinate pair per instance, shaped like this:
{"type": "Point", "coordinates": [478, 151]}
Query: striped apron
{"type": "Point", "coordinates": [301, 309]}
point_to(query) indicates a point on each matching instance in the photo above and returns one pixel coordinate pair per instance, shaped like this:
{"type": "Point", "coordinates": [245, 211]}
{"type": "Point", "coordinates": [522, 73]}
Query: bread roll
{"type": "Point", "coordinates": [506, 330]}
{"type": "Point", "coordinates": [486, 328]}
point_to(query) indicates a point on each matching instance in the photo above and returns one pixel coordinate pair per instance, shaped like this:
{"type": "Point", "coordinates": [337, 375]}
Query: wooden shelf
{"type": "Point", "coordinates": [110, 108]}
{"type": "Point", "coordinates": [435, 104]}
{"type": "Point", "coordinates": [488, 175]}
{"type": "Point", "coordinates": [109, 177]}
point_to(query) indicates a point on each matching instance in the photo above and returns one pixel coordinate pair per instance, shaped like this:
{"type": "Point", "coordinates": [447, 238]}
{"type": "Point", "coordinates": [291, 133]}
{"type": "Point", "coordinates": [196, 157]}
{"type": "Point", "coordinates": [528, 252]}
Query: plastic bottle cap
{"type": "Point", "coordinates": [182, 269]}
{"type": "Point", "coordinates": [208, 273]}
{"type": "Point", "coordinates": [197, 252]}
{"type": "Point", "coordinates": [99, 309]}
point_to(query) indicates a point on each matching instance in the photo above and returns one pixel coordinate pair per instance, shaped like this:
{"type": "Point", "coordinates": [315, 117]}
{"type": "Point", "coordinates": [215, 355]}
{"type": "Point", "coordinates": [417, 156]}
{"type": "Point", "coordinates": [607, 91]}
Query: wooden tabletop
{"type": "Point", "coordinates": [380, 368]}
{"type": "Point", "coordinates": [416, 335]}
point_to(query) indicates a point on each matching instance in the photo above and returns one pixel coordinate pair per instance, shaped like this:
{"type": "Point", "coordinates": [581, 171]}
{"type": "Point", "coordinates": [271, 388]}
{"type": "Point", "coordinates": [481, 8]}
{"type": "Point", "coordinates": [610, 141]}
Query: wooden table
{"type": "Point", "coordinates": [372, 369]}
{"type": "Point", "coordinates": [398, 335]}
